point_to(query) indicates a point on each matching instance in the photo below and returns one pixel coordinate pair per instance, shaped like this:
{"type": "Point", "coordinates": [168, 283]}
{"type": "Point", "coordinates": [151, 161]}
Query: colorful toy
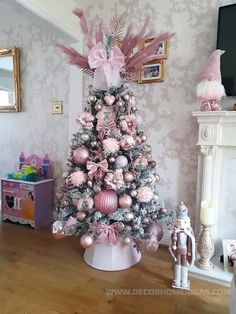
{"type": "Point", "coordinates": [32, 168]}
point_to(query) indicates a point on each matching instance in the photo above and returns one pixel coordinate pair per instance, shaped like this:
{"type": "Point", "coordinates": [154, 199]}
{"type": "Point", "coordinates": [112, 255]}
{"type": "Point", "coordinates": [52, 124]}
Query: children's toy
{"type": "Point", "coordinates": [182, 247]}
{"type": "Point", "coordinates": [32, 168]}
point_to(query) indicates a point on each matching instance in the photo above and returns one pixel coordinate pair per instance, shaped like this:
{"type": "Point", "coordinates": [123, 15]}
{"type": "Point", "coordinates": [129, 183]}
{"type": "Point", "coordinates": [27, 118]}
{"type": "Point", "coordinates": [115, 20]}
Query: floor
{"type": "Point", "coordinates": [41, 275]}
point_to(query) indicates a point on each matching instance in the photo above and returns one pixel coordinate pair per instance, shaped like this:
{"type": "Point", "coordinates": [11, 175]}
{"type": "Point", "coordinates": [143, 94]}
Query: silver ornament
{"type": "Point", "coordinates": [127, 240]}
{"type": "Point", "coordinates": [90, 183]}
{"type": "Point", "coordinates": [136, 227]}
{"type": "Point", "coordinates": [94, 144]}
{"type": "Point", "coordinates": [85, 137]}
{"type": "Point", "coordinates": [92, 98]}
{"type": "Point", "coordinates": [133, 193]}
{"type": "Point", "coordinates": [128, 216]}
{"type": "Point", "coordinates": [134, 109]}
{"type": "Point", "coordinates": [145, 220]}
{"type": "Point", "coordinates": [112, 160]}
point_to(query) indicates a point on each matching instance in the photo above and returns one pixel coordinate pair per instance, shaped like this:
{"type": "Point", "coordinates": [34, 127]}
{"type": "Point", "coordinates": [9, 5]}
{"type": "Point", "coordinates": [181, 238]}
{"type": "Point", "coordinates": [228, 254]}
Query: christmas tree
{"type": "Point", "coordinates": [110, 191]}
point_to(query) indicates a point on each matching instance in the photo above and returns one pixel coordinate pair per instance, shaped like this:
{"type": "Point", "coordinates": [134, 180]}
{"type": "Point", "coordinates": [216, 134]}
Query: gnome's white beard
{"type": "Point", "coordinates": [210, 90]}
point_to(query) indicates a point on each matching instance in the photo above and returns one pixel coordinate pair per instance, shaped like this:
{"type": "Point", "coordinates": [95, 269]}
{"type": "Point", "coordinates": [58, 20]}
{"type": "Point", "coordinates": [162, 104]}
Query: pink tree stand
{"type": "Point", "coordinates": [107, 257]}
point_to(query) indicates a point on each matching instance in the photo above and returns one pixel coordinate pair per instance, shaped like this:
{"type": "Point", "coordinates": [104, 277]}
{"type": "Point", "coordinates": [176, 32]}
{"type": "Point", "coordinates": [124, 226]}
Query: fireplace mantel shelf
{"type": "Point", "coordinates": [216, 180]}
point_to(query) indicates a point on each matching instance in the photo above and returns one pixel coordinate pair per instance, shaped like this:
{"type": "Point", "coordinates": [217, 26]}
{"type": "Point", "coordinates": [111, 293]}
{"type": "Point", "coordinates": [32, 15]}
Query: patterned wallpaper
{"type": "Point", "coordinates": [44, 77]}
{"type": "Point", "coordinates": [167, 106]}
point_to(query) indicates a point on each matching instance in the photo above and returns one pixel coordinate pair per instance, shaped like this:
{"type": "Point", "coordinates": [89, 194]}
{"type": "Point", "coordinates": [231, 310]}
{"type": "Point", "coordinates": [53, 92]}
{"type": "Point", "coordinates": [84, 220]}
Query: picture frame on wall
{"type": "Point", "coordinates": [161, 50]}
{"type": "Point", "coordinates": [229, 252]}
{"type": "Point", "coordinates": [151, 72]}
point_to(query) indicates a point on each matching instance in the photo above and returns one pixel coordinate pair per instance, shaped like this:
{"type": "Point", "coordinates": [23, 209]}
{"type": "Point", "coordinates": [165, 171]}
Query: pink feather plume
{"type": "Point", "coordinates": [75, 58]}
{"type": "Point", "coordinates": [85, 27]}
{"type": "Point", "coordinates": [147, 53]}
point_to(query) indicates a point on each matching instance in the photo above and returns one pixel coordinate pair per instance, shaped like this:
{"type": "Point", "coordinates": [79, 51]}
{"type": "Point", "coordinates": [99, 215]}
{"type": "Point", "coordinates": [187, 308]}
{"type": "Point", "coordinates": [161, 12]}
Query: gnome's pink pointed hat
{"type": "Point", "coordinates": [211, 70]}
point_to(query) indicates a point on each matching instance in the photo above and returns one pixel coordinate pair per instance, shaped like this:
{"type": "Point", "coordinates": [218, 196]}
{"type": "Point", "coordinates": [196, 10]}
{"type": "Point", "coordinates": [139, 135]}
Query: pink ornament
{"type": "Point", "coordinates": [86, 241]}
{"type": "Point", "coordinates": [77, 178]}
{"type": "Point", "coordinates": [126, 97]}
{"type": "Point", "coordinates": [141, 162]}
{"type": "Point", "coordinates": [114, 180]}
{"type": "Point", "coordinates": [74, 202]}
{"type": "Point", "coordinates": [163, 211]}
{"type": "Point", "coordinates": [81, 215]}
{"type": "Point", "coordinates": [152, 163]}
{"type": "Point", "coordinates": [127, 142]}
{"type": "Point", "coordinates": [86, 119]}
{"type": "Point", "coordinates": [72, 143]}
{"type": "Point", "coordinates": [110, 145]}
{"type": "Point", "coordinates": [80, 156]}
{"type": "Point", "coordinates": [98, 107]}
{"type": "Point", "coordinates": [143, 138]}
{"type": "Point", "coordinates": [128, 124]}
{"type": "Point", "coordinates": [109, 99]}
{"type": "Point", "coordinates": [120, 103]}
{"type": "Point", "coordinates": [154, 229]}
{"type": "Point", "coordinates": [133, 193]}
{"type": "Point", "coordinates": [106, 202]}
{"type": "Point", "coordinates": [128, 177]}
{"type": "Point", "coordinates": [125, 201]}
{"type": "Point", "coordinates": [145, 194]}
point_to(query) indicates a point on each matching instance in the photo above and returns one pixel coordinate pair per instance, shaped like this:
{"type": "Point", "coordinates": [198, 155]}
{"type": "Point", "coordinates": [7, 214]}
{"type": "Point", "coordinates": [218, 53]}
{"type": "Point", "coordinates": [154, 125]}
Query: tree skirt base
{"type": "Point", "coordinates": [111, 257]}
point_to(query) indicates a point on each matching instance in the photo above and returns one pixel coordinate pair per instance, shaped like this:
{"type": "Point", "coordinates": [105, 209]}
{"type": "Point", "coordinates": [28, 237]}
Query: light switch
{"type": "Point", "coordinates": [57, 107]}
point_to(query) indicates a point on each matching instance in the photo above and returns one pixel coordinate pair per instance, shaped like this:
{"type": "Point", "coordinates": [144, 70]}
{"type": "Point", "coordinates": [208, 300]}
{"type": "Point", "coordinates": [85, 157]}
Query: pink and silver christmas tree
{"type": "Point", "coordinates": [111, 187]}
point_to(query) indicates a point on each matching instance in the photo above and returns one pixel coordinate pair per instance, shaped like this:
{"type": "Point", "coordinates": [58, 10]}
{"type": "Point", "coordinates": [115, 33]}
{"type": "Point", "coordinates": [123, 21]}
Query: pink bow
{"type": "Point", "coordinates": [102, 128]}
{"type": "Point", "coordinates": [108, 232]}
{"type": "Point", "coordinates": [97, 57]}
{"type": "Point", "coordinates": [94, 167]}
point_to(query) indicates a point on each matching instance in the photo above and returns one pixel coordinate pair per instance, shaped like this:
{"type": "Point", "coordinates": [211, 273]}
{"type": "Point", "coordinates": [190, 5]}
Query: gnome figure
{"type": "Point", "coordinates": [210, 89]}
{"type": "Point", "coordinates": [182, 247]}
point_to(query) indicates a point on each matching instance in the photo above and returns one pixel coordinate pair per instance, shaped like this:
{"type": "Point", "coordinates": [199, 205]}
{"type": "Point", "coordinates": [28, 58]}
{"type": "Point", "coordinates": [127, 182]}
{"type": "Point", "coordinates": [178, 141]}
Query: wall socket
{"type": "Point", "coordinates": [57, 107]}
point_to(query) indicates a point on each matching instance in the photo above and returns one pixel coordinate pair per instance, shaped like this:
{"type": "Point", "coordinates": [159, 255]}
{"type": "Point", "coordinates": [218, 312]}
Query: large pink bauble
{"type": "Point", "coordinates": [106, 202]}
{"type": "Point", "coordinates": [80, 155]}
{"type": "Point", "coordinates": [125, 201]}
{"type": "Point", "coordinates": [155, 229]}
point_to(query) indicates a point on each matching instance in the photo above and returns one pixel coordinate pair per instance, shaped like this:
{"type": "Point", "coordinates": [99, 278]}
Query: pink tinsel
{"type": "Point", "coordinates": [110, 145]}
{"type": "Point", "coordinates": [77, 178]}
{"type": "Point", "coordinates": [86, 120]}
{"type": "Point", "coordinates": [114, 180]}
{"type": "Point", "coordinates": [145, 194]}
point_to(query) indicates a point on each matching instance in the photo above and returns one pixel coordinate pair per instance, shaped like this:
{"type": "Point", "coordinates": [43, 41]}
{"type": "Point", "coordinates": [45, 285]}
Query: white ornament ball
{"type": "Point", "coordinates": [121, 162]}
{"type": "Point", "coordinates": [128, 216]}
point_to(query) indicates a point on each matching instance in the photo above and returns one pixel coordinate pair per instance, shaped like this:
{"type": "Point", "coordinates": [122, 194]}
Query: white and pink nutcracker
{"type": "Point", "coordinates": [182, 247]}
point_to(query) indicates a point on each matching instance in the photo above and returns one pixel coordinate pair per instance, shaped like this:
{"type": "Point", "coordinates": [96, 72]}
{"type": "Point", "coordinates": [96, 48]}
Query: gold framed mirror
{"type": "Point", "coordinates": [9, 80]}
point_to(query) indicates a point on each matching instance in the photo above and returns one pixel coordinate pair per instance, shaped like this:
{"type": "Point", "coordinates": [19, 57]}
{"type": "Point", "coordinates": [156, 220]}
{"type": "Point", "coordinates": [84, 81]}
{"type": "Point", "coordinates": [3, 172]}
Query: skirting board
{"type": "Point", "coordinates": [217, 275]}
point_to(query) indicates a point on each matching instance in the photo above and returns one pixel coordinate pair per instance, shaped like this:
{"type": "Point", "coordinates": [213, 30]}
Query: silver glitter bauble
{"type": "Point", "coordinates": [121, 161]}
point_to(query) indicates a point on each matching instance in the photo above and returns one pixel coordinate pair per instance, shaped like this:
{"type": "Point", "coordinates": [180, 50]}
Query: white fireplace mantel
{"type": "Point", "coordinates": [216, 180]}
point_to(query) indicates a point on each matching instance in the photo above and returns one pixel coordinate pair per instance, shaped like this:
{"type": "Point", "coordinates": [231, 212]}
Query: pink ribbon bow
{"type": "Point", "coordinates": [103, 127]}
{"type": "Point", "coordinates": [107, 69]}
{"type": "Point", "coordinates": [94, 167]}
{"type": "Point", "coordinates": [97, 57]}
{"type": "Point", "coordinates": [108, 232]}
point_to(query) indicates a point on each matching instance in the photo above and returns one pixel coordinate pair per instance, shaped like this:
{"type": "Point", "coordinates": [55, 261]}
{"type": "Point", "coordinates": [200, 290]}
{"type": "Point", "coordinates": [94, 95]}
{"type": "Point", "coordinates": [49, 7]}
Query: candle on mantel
{"type": "Point", "coordinates": [207, 213]}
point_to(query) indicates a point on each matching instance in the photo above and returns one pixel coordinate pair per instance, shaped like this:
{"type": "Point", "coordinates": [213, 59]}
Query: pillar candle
{"type": "Point", "coordinates": [207, 213]}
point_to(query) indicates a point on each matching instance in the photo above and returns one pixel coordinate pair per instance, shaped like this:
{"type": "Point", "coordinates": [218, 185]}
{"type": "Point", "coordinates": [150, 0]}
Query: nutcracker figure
{"type": "Point", "coordinates": [182, 247]}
